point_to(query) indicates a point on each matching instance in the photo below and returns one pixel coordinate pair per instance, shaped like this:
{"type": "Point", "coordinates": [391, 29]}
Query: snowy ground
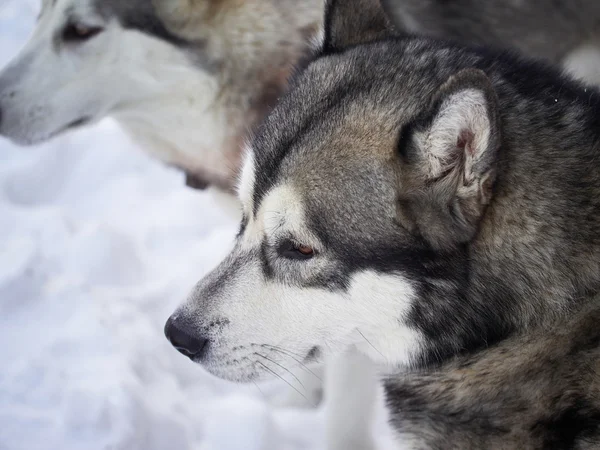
{"type": "Point", "coordinates": [98, 245]}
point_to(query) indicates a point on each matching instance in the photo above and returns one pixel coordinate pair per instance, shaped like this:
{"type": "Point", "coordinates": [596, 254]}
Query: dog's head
{"type": "Point", "coordinates": [85, 59]}
{"type": "Point", "coordinates": [360, 193]}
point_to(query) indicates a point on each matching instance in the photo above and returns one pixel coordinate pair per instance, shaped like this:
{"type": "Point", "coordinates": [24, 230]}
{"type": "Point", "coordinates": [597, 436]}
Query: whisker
{"type": "Point", "coordinates": [369, 342]}
{"type": "Point", "coordinates": [302, 365]}
{"type": "Point", "coordinates": [283, 349]}
{"type": "Point", "coordinates": [285, 381]}
{"type": "Point", "coordinates": [260, 390]}
{"type": "Point", "coordinates": [284, 368]}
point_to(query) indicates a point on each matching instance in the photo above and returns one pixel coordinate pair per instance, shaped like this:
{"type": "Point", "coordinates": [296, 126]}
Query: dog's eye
{"type": "Point", "coordinates": [305, 250]}
{"type": "Point", "coordinates": [78, 32]}
{"type": "Point", "coordinates": [293, 250]}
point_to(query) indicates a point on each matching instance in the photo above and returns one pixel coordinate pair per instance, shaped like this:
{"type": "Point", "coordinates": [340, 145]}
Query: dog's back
{"type": "Point", "coordinates": [564, 32]}
{"type": "Point", "coordinates": [538, 391]}
{"type": "Point", "coordinates": [539, 28]}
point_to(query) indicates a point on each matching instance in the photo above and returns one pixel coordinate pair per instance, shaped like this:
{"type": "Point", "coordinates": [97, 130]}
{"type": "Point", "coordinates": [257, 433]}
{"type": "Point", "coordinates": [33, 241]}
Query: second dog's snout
{"type": "Point", "coordinates": [183, 340]}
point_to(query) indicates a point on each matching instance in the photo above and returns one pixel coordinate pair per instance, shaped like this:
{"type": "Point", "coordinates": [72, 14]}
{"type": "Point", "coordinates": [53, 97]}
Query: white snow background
{"type": "Point", "coordinates": [98, 245]}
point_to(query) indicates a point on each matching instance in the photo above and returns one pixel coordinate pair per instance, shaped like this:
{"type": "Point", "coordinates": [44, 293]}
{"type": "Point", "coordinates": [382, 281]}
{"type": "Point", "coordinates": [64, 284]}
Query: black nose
{"type": "Point", "coordinates": [183, 340]}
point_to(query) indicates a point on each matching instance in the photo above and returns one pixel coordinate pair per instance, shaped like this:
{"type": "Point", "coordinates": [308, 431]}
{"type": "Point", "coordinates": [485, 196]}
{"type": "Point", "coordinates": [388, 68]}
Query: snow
{"type": "Point", "coordinates": [98, 245]}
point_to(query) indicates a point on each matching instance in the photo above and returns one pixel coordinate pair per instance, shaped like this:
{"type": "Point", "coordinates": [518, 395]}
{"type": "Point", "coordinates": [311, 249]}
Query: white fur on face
{"type": "Point", "coordinates": [149, 85]}
{"type": "Point", "coordinates": [282, 214]}
{"type": "Point", "coordinates": [274, 321]}
{"type": "Point", "coordinates": [52, 84]}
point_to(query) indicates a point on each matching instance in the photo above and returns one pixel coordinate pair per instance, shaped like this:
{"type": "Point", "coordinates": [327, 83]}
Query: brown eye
{"type": "Point", "coordinates": [293, 250]}
{"type": "Point", "coordinates": [305, 250]}
{"type": "Point", "coordinates": [78, 32]}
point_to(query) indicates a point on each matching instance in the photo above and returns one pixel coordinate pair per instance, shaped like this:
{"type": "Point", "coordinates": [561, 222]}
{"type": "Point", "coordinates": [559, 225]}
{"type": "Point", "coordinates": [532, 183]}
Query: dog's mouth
{"type": "Point", "coordinates": [82, 121]}
{"type": "Point", "coordinates": [77, 123]}
{"type": "Point", "coordinates": [33, 138]}
{"type": "Point", "coordinates": [260, 365]}
{"type": "Point", "coordinates": [313, 355]}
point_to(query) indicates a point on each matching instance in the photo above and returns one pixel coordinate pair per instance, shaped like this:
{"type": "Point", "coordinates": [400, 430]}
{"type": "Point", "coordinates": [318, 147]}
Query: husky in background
{"type": "Point", "coordinates": [185, 78]}
{"type": "Point", "coordinates": [436, 208]}
{"type": "Point", "coordinates": [564, 32]}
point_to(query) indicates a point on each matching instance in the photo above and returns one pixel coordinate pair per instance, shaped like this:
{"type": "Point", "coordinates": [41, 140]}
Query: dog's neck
{"type": "Point", "coordinates": [230, 75]}
{"type": "Point", "coordinates": [199, 142]}
{"type": "Point", "coordinates": [541, 229]}
{"type": "Point", "coordinates": [537, 252]}
{"type": "Point", "coordinates": [181, 118]}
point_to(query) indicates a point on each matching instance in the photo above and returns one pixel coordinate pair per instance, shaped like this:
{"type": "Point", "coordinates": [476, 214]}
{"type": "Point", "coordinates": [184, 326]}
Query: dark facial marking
{"type": "Point", "coordinates": [243, 225]}
{"type": "Point", "coordinates": [267, 269]}
{"type": "Point", "coordinates": [138, 15]}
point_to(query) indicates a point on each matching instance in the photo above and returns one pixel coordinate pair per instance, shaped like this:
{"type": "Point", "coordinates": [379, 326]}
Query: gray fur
{"type": "Point", "coordinates": [473, 174]}
{"type": "Point", "coordinates": [535, 254]}
{"type": "Point", "coordinates": [537, 391]}
{"type": "Point", "coordinates": [339, 128]}
{"type": "Point", "coordinates": [539, 28]}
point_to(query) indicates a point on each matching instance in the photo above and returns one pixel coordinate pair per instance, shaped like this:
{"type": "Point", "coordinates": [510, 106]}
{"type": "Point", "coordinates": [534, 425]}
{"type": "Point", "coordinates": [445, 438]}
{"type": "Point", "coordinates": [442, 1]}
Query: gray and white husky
{"type": "Point", "coordinates": [185, 78]}
{"type": "Point", "coordinates": [435, 208]}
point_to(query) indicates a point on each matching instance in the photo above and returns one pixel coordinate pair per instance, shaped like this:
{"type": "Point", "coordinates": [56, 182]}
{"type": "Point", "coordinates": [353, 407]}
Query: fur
{"type": "Point", "coordinates": [419, 201]}
{"type": "Point", "coordinates": [533, 391]}
{"type": "Point", "coordinates": [555, 30]}
{"type": "Point", "coordinates": [187, 79]}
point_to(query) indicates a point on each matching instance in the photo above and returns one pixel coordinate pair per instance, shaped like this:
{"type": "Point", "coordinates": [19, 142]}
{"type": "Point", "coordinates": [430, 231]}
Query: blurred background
{"type": "Point", "coordinates": [98, 245]}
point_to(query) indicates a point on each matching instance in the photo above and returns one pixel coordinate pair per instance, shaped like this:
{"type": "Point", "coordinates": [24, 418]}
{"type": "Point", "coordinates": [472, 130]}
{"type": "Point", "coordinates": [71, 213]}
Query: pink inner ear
{"type": "Point", "coordinates": [465, 141]}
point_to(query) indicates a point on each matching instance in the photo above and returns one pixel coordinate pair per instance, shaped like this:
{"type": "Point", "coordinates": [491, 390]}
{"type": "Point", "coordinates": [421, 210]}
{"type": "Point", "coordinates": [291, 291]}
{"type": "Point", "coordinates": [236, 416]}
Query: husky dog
{"type": "Point", "coordinates": [186, 78]}
{"type": "Point", "coordinates": [420, 201]}
{"type": "Point", "coordinates": [565, 32]}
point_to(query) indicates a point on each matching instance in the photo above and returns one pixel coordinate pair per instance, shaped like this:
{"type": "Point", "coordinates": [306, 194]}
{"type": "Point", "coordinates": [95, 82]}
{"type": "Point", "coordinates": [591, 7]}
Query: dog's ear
{"type": "Point", "coordinates": [353, 22]}
{"type": "Point", "coordinates": [450, 158]}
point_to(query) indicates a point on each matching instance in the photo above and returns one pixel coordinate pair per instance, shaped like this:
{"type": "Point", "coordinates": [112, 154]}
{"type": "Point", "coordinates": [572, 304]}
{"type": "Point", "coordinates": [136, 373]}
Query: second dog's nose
{"type": "Point", "coordinates": [184, 341]}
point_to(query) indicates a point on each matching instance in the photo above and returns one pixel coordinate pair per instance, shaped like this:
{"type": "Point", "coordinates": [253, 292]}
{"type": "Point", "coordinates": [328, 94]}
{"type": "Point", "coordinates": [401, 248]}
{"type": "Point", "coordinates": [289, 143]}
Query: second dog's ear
{"type": "Point", "coordinates": [353, 22]}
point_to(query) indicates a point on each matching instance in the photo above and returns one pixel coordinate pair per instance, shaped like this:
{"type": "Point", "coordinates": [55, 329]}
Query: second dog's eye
{"type": "Point", "coordinates": [78, 32]}
{"type": "Point", "coordinates": [293, 250]}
